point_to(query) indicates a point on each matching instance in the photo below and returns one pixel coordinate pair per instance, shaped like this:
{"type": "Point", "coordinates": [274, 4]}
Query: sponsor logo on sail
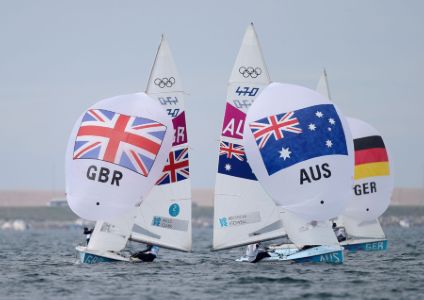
{"type": "Point", "coordinates": [174, 210]}
{"type": "Point", "coordinates": [250, 71]}
{"type": "Point", "coordinates": [165, 82]}
{"type": "Point", "coordinates": [249, 218]}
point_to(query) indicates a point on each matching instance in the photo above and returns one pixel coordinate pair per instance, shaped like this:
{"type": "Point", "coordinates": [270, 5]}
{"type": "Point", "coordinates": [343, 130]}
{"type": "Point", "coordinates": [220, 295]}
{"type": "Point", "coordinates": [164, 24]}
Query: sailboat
{"type": "Point", "coordinates": [372, 188]}
{"type": "Point", "coordinates": [243, 211]}
{"type": "Point", "coordinates": [298, 145]}
{"type": "Point", "coordinates": [163, 218]}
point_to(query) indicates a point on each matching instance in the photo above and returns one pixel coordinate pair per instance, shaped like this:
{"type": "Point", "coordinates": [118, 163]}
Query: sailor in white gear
{"type": "Point", "coordinates": [340, 232]}
{"type": "Point", "coordinates": [252, 251]}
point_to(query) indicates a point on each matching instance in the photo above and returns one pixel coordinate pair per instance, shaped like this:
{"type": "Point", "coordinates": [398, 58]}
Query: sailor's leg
{"type": "Point", "coordinates": [261, 255]}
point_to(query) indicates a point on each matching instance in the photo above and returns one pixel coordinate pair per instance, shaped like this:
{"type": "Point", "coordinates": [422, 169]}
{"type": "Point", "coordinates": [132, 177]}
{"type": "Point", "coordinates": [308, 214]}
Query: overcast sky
{"type": "Point", "coordinates": [57, 58]}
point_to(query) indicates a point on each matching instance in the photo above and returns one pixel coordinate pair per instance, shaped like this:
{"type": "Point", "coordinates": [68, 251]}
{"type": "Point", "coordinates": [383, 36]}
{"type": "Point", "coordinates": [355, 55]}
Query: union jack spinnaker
{"type": "Point", "coordinates": [115, 154]}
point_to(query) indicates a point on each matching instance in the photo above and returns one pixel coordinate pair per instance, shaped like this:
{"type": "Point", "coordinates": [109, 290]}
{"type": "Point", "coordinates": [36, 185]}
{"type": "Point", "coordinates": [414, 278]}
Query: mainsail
{"type": "Point", "coordinates": [164, 217]}
{"type": "Point", "coordinates": [323, 87]}
{"type": "Point", "coordinates": [243, 212]}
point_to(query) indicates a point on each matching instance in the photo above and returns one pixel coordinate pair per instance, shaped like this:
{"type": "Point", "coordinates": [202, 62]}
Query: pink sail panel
{"type": "Point", "coordinates": [233, 122]}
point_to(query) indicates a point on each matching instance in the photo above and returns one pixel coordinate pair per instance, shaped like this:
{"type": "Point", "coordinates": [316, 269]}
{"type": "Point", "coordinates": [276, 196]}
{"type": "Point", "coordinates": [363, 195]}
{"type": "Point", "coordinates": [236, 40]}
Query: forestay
{"type": "Point", "coordinates": [164, 217]}
{"type": "Point", "coordinates": [243, 212]}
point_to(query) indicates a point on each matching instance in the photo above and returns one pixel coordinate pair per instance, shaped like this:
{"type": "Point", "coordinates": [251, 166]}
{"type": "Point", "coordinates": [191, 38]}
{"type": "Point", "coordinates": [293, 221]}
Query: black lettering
{"type": "Point", "coordinates": [357, 189]}
{"type": "Point", "coordinates": [318, 177]}
{"type": "Point", "coordinates": [304, 176]}
{"type": "Point", "coordinates": [373, 186]}
{"type": "Point", "coordinates": [91, 172]}
{"type": "Point", "coordinates": [116, 177]}
{"type": "Point", "coordinates": [365, 188]}
{"type": "Point", "coordinates": [327, 173]}
{"type": "Point", "coordinates": [103, 174]}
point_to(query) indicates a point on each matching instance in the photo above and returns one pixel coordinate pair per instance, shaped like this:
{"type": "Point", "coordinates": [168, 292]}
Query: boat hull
{"type": "Point", "coordinates": [319, 254]}
{"type": "Point", "coordinates": [361, 245]}
{"type": "Point", "coordinates": [87, 256]}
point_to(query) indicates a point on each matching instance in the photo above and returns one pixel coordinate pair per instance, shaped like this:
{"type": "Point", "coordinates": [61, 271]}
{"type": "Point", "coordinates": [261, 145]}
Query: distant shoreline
{"type": "Point", "coordinates": [201, 197]}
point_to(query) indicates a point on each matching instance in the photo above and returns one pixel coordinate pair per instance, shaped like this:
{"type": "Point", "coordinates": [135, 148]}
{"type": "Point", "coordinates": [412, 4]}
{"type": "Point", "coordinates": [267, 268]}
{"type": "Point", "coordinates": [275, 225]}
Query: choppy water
{"type": "Point", "coordinates": [40, 264]}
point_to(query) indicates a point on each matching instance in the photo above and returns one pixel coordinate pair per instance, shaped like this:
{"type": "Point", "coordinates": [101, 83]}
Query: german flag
{"type": "Point", "coordinates": [370, 157]}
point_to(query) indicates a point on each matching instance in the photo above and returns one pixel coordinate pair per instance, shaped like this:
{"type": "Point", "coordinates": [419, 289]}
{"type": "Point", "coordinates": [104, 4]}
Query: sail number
{"type": "Point", "coordinates": [246, 91]}
{"type": "Point", "coordinates": [173, 112]}
{"type": "Point", "coordinates": [168, 100]}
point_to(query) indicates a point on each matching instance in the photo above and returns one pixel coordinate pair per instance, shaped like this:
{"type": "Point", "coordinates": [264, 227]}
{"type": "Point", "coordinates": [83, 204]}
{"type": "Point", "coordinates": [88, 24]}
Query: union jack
{"type": "Point", "coordinates": [176, 167]}
{"type": "Point", "coordinates": [127, 141]}
{"type": "Point", "coordinates": [274, 126]}
{"type": "Point", "coordinates": [230, 150]}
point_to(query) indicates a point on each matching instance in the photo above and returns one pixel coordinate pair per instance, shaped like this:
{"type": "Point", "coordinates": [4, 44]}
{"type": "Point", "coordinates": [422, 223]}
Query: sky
{"type": "Point", "coordinates": [59, 57]}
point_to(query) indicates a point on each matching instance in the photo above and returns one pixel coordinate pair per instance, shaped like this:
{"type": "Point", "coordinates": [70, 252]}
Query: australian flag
{"type": "Point", "coordinates": [289, 138]}
{"type": "Point", "coordinates": [233, 162]}
{"type": "Point", "coordinates": [127, 141]}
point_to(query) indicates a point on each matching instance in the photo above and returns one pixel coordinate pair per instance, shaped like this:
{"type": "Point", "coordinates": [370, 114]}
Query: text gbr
{"type": "Point", "coordinates": [102, 175]}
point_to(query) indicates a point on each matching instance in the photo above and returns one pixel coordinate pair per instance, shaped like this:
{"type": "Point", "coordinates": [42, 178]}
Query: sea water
{"type": "Point", "coordinates": [41, 264]}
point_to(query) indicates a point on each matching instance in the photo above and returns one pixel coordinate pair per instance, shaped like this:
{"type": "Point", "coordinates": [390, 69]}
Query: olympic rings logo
{"type": "Point", "coordinates": [164, 82]}
{"type": "Point", "coordinates": [250, 71]}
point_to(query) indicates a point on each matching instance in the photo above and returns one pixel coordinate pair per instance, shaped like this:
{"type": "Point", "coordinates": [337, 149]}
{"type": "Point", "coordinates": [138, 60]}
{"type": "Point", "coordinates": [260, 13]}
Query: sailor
{"type": "Point", "coordinates": [88, 233]}
{"type": "Point", "coordinates": [255, 252]}
{"type": "Point", "coordinates": [340, 232]}
{"type": "Point", "coordinates": [148, 254]}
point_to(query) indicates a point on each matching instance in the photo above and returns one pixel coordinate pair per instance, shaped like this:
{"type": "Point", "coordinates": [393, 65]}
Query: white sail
{"type": "Point", "coordinates": [358, 226]}
{"type": "Point", "coordinates": [164, 217]}
{"type": "Point", "coordinates": [323, 87]}
{"type": "Point", "coordinates": [303, 233]}
{"type": "Point", "coordinates": [300, 148]}
{"type": "Point", "coordinates": [243, 212]}
{"type": "Point", "coordinates": [113, 235]}
{"type": "Point", "coordinates": [361, 229]}
{"type": "Point", "coordinates": [115, 154]}
{"type": "Point", "coordinates": [373, 184]}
